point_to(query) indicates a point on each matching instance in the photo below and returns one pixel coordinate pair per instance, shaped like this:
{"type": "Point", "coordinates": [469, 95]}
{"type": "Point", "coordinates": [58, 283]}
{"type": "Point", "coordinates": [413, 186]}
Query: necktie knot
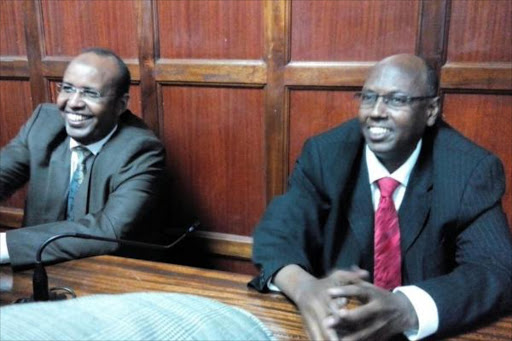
{"type": "Point", "coordinates": [387, 186]}
{"type": "Point", "coordinates": [82, 153]}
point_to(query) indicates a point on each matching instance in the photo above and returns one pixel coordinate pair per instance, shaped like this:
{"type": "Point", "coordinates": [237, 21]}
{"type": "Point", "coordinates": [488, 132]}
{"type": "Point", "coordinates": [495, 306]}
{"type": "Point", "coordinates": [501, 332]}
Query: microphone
{"type": "Point", "coordinates": [40, 277]}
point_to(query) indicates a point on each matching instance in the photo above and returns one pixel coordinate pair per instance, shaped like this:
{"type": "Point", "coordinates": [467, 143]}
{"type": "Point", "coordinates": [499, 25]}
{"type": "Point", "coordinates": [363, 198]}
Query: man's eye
{"type": "Point", "coordinates": [68, 88]}
{"type": "Point", "coordinates": [367, 97]}
{"type": "Point", "coordinates": [398, 100]}
{"type": "Point", "coordinates": [91, 93]}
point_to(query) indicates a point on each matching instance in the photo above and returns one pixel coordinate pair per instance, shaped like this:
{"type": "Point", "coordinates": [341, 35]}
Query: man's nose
{"type": "Point", "coordinates": [75, 100]}
{"type": "Point", "coordinates": [379, 108]}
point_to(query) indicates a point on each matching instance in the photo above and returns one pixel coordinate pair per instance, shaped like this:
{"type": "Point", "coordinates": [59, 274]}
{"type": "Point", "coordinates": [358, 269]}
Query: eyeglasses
{"type": "Point", "coordinates": [86, 93]}
{"type": "Point", "coordinates": [393, 100]}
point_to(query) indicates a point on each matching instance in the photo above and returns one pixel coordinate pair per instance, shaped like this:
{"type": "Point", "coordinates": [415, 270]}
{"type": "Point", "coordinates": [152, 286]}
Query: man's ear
{"type": "Point", "coordinates": [123, 103]}
{"type": "Point", "coordinates": [433, 110]}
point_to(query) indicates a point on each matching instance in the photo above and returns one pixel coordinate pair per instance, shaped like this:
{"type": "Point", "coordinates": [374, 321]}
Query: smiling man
{"type": "Point", "coordinates": [396, 210]}
{"type": "Point", "coordinates": [92, 166]}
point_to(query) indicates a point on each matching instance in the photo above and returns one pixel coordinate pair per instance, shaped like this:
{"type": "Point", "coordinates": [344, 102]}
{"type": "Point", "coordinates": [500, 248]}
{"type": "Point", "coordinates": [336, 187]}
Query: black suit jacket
{"type": "Point", "coordinates": [119, 187]}
{"type": "Point", "coordinates": [455, 239]}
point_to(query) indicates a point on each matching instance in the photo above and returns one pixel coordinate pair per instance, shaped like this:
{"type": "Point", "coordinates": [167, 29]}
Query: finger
{"type": "Point", "coordinates": [360, 272]}
{"type": "Point", "coordinates": [348, 291]}
{"type": "Point", "coordinates": [337, 303]}
{"type": "Point", "coordinates": [374, 331]}
{"type": "Point", "coordinates": [359, 316]}
{"type": "Point", "coordinates": [342, 277]}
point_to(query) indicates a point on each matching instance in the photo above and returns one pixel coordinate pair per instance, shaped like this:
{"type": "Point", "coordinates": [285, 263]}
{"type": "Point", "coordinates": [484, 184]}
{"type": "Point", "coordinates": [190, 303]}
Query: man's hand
{"type": "Point", "coordinates": [382, 314]}
{"type": "Point", "coordinates": [311, 295]}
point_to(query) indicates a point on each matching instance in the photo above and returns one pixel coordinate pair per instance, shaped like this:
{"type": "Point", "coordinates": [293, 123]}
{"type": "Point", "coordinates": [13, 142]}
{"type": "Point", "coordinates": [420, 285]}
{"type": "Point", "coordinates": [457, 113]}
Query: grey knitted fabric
{"type": "Point", "coordinates": [134, 316]}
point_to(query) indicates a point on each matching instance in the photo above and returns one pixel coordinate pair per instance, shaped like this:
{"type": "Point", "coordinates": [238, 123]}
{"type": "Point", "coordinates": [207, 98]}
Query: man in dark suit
{"type": "Point", "coordinates": [93, 166]}
{"type": "Point", "coordinates": [448, 256]}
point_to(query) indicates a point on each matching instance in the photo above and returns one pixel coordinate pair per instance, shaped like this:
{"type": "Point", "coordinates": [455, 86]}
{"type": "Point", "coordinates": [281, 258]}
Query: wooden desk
{"type": "Point", "coordinates": [112, 275]}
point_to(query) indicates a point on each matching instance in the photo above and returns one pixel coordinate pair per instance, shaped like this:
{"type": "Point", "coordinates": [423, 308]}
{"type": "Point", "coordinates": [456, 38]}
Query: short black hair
{"type": "Point", "coordinates": [124, 78]}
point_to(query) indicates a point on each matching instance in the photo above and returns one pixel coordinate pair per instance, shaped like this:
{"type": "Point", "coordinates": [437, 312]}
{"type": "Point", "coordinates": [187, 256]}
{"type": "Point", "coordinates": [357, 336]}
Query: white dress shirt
{"type": "Point", "coordinates": [424, 305]}
{"type": "Point", "coordinates": [94, 148]}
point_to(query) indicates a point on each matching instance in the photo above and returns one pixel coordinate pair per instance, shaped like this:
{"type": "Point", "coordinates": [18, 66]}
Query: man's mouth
{"type": "Point", "coordinates": [77, 118]}
{"type": "Point", "coordinates": [378, 133]}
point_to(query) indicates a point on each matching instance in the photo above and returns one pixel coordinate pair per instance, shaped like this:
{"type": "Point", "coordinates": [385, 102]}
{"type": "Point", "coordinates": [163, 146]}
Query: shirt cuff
{"type": "Point", "coordinates": [4, 253]}
{"type": "Point", "coordinates": [271, 286]}
{"type": "Point", "coordinates": [426, 311]}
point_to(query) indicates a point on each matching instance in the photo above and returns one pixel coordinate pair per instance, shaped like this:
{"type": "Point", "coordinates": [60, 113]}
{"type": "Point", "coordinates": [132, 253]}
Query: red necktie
{"type": "Point", "coordinates": [387, 256]}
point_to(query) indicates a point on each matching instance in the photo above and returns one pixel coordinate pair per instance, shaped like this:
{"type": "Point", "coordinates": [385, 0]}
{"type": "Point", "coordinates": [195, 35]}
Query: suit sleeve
{"type": "Point", "coordinates": [132, 193]}
{"type": "Point", "coordinates": [15, 160]}
{"type": "Point", "coordinates": [290, 228]}
{"type": "Point", "coordinates": [481, 282]}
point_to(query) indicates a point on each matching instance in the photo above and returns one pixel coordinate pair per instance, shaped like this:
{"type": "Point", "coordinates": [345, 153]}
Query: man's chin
{"type": "Point", "coordinates": [80, 135]}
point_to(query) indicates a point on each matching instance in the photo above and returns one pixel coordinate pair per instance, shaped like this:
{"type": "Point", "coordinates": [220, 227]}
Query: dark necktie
{"type": "Point", "coordinates": [387, 256]}
{"type": "Point", "coordinates": [82, 154]}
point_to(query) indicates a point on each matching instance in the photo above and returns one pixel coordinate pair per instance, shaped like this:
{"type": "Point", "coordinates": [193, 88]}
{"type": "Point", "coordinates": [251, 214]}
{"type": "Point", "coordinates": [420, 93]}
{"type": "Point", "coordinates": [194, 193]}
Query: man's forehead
{"type": "Point", "coordinates": [397, 76]}
{"type": "Point", "coordinates": [101, 68]}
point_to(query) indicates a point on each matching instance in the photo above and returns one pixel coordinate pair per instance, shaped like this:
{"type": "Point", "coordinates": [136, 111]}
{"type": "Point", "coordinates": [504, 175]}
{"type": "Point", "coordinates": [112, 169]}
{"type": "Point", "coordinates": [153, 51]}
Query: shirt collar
{"type": "Point", "coordinates": [376, 169]}
{"type": "Point", "coordinates": [94, 147]}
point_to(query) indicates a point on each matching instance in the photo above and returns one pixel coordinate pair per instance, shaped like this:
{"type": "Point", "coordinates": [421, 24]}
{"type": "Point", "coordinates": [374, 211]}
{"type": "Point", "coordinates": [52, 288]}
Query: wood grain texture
{"type": "Point", "coordinates": [15, 109]}
{"type": "Point", "coordinates": [203, 29]}
{"type": "Point", "coordinates": [480, 31]}
{"type": "Point", "coordinates": [327, 74]}
{"type": "Point", "coordinates": [313, 112]}
{"type": "Point", "coordinates": [33, 20]}
{"type": "Point", "coordinates": [214, 139]}
{"type": "Point", "coordinates": [70, 26]}
{"type": "Point", "coordinates": [115, 275]}
{"type": "Point", "coordinates": [432, 32]}
{"type": "Point", "coordinates": [239, 72]}
{"type": "Point", "coordinates": [352, 30]}
{"type": "Point", "coordinates": [12, 34]}
{"type": "Point", "coordinates": [149, 101]}
{"type": "Point", "coordinates": [487, 120]}
{"type": "Point", "coordinates": [12, 67]}
{"type": "Point", "coordinates": [276, 32]}
{"type": "Point", "coordinates": [485, 76]}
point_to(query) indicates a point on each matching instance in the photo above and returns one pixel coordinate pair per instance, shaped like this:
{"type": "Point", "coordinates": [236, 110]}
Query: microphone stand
{"type": "Point", "coordinates": [40, 277]}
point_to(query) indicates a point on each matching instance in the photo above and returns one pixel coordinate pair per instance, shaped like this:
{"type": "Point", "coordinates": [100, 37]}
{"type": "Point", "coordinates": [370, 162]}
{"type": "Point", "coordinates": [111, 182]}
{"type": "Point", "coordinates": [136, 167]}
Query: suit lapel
{"type": "Point", "coordinates": [360, 209]}
{"type": "Point", "coordinates": [417, 201]}
{"type": "Point", "coordinates": [58, 181]}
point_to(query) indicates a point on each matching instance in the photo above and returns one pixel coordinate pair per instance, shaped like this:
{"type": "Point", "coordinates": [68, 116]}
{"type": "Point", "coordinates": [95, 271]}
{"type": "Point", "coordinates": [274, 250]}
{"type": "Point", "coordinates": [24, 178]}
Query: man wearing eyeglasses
{"type": "Point", "coordinates": [437, 266]}
{"type": "Point", "coordinates": [92, 166]}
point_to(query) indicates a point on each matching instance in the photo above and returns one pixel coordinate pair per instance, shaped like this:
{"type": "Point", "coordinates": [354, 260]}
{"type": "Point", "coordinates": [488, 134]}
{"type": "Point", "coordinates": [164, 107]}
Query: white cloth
{"type": "Point", "coordinates": [134, 316]}
{"type": "Point", "coordinates": [4, 253]}
{"type": "Point", "coordinates": [424, 305]}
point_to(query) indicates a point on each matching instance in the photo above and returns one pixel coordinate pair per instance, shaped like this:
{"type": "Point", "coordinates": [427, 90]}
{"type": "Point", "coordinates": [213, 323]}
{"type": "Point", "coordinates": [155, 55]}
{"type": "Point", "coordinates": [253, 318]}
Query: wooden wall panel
{"type": "Point", "coordinates": [135, 101]}
{"type": "Point", "coordinates": [12, 35]}
{"type": "Point", "coordinates": [70, 26]}
{"type": "Point", "coordinates": [229, 29]}
{"type": "Point", "coordinates": [352, 30]}
{"type": "Point", "coordinates": [214, 139]}
{"type": "Point", "coordinates": [487, 120]}
{"type": "Point", "coordinates": [234, 87]}
{"type": "Point", "coordinates": [15, 109]}
{"type": "Point", "coordinates": [480, 31]}
{"type": "Point", "coordinates": [313, 112]}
